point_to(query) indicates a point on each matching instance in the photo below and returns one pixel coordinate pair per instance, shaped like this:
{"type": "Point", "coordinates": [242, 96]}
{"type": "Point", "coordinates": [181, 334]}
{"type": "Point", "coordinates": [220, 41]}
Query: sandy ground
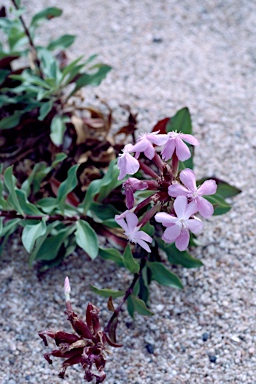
{"type": "Point", "coordinates": [165, 55]}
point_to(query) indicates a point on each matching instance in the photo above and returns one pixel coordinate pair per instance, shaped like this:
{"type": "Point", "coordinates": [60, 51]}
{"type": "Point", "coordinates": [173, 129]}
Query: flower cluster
{"type": "Point", "coordinates": [175, 197]}
{"type": "Point", "coordinates": [87, 347]}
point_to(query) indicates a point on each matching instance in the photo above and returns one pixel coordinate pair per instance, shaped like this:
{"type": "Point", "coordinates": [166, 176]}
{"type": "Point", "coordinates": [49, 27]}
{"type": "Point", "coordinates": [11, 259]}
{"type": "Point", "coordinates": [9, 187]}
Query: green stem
{"type": "Point", "coordinates": [31, 43]}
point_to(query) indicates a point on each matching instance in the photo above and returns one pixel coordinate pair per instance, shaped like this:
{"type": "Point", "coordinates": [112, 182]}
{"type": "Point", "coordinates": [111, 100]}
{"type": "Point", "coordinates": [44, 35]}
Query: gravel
{"type": "Point", "coordinates": [165, 55]}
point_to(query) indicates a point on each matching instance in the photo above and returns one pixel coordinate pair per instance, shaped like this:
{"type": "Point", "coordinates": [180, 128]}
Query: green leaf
{"type": "Point", "coordinates": [180, 122]}
{"type": "Point", "coordinates": [58, 128]}
{"type": "Point", "coordinates": [219, 204]}
{"type": "Point", "coordinates": [45, 14]}
{"type": "Point", "coordinates": [9, 182]}
{"type": "Point", "coordinates": [86, 238]}
{"type": "Point", "coordinates": [102, 187]}
{"type": "Point", "coordinates": [11, 121]}
{"type": "Point", "coordinates": [130, 306]}
{"type": "Point", "coordinates": [61, 42]}
{"type": "Point", "coordinates": [31, 233]}
{"type": "Point", "coordinates": [51, 245]}
{"type": "Point", "coordinates": [58, 159]}
{"type": "Point", "coordinates": [103, 211]}
{"type": "Point", "coordinates": [45, 108]}
{"type": "Point", "coordinates": [7, 231]}
{"type": "Point", "coordinates": [109, 181]}
{"type": "Point", "coordinates": [47, 204]}
{"type": "Point", "coordinates": [111, 254]}
{"type": "Point", "coordinates": [140, 306]}
{"type": "Point", "coordinates": [107, 292]}
{"type": "Point", "coordinates": [94, 79]}
{"type": "Point", "coordinates": [10, 227]}
{"type": "Point", "coordinates": [27, 207]}
{"type": "Point", "coordinates": [177, 257]}
{"type": "Point", "coordinates": [163, 276]}
{"type": "Point", "coordinates": [67, 186]}
{"type": "Point", "coordinates": [129, 262]}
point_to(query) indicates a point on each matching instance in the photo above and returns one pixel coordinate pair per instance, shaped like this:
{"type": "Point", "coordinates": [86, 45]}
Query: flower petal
{"type": "Point", "coordinates": [189, 139]}
{"type": "Point", "coordinates": [180, 206]}
{"type": "Point", "coordinates": [182, 151]}
{"type": "Point", "coordinates": [176, 190]}
{"type": "Point", "coordinates": [195, 225]}
{"type": "Point", "coordinates": [144, 245]}
{"type": "Point", "coordinates": [121, 222]}
{"type": "Point", "coordinates": [168, 149]}
{"type": "Point", "coordinates": [205, 208]}
{"type": "Point", "coordinates": [209, 187]}
{"type": "Point", "coordinates": [121, 164]}
{"type": "Point", "coordinates": [183, 240]}
{"type": "Point", "coordinates": [188, 178]}
{"type": "Point", "coordinates": [150, 152]}
{"type": "Point", "coordinates": [158, 139]}
{"type": "Point", "coordinates": [132, 221]}
{"type": "Point", "coordinates": [192, 208]}
{"type": "Point", "coordinates": [165, 219]}
{"type": "Point", "coordinates": [144, 236]}
{"type": "Point", "coordinates": [171, 233]}
{"type": "Point", "coordinates": [141, 145]}
{"type": "Point", "coordinates": [132, 164]}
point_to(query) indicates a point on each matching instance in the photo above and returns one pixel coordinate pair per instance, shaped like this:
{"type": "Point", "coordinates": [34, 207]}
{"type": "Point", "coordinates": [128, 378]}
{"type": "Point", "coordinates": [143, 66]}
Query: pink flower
{"type": "Point", "coordinates": [175, 143]}
{"type": "Point", "coordinates": [132, 230]}
{"type": "Point", "coordinates": [145, 144]}
{"type": "Point", "coordinates": [178, 226]}
{"type": "Point", "coordinates": [126, 163]}
{"type": "Point", "coordinates": [191, 191]}
{"type": "Point", "coordinates": [130, 186]}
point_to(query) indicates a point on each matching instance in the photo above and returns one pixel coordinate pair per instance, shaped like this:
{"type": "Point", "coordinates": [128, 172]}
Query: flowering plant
{"type": "Point", "coordinates": [165, 206]}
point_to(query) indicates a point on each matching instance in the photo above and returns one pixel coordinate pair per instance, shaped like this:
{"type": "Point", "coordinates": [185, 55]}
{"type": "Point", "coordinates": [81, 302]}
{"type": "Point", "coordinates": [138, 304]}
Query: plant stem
{"type": "Point", "coordinates": [31, 43]}
{"type": "Point", "coordinates": [49, 219]}
{"type": "Point", "coordinates": [148, 170]}
{"type": "Point", "coordinates": [127, 293]}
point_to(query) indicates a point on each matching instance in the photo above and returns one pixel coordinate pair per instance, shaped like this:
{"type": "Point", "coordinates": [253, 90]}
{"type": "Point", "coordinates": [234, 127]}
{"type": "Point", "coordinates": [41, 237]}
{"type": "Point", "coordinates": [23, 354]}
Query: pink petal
{"type": "Point", "coordinates": [189, 139]}
{"type": "Point", "coordinates": [120, 221]}
{"type": "Point", "coordinates": [159, 139]}
{"type": "Point", "coordinates": [144, 245]}
{"type": "Point", "coordinates": [205, 208]}
{"type": "Point", "coordinates": [132, 165]}
{"type": "Point", "coordinates": [180, 206]}
{"type": "Point", "coordinates": [165, 219]}
{"type": "Point", "coordinates": [144, 236]}
{"type": "Point", "coordinates": [168, 149]}
{"type": "Point", "coordinates": [188, 178]}
{"type": "Point", "coordinates": [128, 148]}
{"type": "Point", "coordinates": [209, 187]}
{"type": "Point", "coordinates": [141, 145]}
{"type": "Point", "coordinates": [121, 164]}
{"type": "Point", "coordinates": [195, 225]}
{"type": "Point", "coordinates": [192, 208]}
{"type": "Point", "coordinates": [182, 151]}
{"type": "Point", "coordinates": [171, 233]}
{"type": "Point", "coordinates": [150, 152]}
{"type": "Point", "coordinates": [183, 240]}
{"type": "Point", "coordinates": [176, 190]}
{"type": "Point", "coordinates": [132, 221]}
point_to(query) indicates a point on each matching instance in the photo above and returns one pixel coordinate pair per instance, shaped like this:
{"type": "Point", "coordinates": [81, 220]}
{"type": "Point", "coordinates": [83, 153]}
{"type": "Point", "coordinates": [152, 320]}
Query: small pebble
{"type": "Point", "coordinates": [212, 358]}
{"type": "Point", "coordinates": [150, 348]}
{"type": "Point", "coordinates": [205, 336]}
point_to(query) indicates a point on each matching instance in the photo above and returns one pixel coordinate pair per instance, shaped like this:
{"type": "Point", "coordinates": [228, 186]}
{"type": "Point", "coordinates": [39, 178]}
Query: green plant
{"type": "Point", "coordinates": [41, 90]}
